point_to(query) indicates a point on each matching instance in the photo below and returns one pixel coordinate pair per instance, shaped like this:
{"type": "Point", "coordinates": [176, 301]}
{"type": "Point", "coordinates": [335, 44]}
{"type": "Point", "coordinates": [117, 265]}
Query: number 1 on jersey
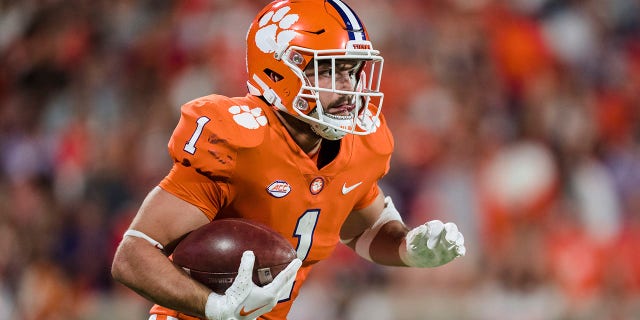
{"type": "Point", "coordinates": [304, 232]}
{"type": "Point", "coordinates": [190, 146]}
{"type": "Point", "coordinates": [305, 228]}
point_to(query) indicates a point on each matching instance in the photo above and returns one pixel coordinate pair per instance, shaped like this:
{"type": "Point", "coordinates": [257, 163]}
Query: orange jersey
{"type": "Point", "coordinates": [234, 158]}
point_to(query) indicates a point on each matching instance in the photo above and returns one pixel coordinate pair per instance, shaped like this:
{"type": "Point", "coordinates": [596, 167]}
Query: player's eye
{"type": "Point", "coordinates": [325, 72]}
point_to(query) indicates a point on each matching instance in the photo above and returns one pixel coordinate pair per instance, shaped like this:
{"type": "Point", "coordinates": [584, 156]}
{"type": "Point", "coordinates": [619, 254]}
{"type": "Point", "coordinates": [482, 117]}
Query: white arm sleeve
{"type": "Point", "coordinates": [389, 213]}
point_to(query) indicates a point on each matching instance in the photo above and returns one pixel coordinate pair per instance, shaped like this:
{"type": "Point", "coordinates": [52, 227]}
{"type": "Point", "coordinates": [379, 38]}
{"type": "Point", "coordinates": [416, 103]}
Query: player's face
{"type": "Point", "coordinates": [346, 77]}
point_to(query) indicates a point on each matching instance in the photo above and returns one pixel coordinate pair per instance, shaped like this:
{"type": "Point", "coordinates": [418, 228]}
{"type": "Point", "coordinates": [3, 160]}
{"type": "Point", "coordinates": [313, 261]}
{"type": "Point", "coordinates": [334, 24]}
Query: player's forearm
{"type": "Point", "coordinates": [384, 246]}
{"type": "Point", "coordinates": [147, 271]}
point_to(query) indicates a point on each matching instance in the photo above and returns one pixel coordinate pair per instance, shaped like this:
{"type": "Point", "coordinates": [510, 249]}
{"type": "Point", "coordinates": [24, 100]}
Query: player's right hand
{"type": "Point", "coordinates": [244, 299]}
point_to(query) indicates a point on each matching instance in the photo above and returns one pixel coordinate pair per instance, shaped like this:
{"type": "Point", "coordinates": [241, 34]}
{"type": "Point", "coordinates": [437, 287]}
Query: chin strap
{"type": "Point", "coordinates": [267, 93]}
{"type": "Point", "coordinates": [326, 131]}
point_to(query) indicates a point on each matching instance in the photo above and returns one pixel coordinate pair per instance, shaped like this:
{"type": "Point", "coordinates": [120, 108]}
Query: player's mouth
{"type": "Point", "coordinates": [341, 110]}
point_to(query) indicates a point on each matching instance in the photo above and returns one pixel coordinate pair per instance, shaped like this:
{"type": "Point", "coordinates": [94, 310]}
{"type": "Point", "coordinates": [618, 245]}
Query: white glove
{"type": "Point", "coordinates": [244, 299]}
{"type": "Point", "coordinates": [432, 244]}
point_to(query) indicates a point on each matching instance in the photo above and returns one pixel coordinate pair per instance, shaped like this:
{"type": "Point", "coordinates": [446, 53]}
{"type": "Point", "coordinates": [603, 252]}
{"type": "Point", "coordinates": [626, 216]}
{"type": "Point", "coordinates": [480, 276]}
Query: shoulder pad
{"type": "Point", "coordinates": [237, 120]}
{"type": "Point", "coordinates": [213, 128]}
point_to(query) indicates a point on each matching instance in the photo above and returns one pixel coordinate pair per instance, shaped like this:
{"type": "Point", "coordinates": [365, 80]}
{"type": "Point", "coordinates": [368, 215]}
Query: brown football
{"type": "Point", "coordinates": [211, 254]}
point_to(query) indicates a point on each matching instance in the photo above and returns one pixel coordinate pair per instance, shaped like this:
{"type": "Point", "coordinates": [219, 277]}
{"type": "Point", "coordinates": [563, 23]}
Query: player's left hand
{"type": "Point", "coordinates": [432, 244]}
{"type": "Point", "coordinates": [244, 300]}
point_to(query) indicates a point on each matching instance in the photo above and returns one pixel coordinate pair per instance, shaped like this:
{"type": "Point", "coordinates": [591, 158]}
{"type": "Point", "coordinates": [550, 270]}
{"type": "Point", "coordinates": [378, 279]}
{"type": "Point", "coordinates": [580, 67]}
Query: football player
{"type": "Point", "coordinates": [302, 152]}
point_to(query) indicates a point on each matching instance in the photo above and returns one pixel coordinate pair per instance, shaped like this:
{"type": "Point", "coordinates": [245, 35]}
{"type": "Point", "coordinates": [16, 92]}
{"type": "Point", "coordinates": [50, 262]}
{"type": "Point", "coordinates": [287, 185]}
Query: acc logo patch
{"type": "Point", "coordinates": [279, 188]}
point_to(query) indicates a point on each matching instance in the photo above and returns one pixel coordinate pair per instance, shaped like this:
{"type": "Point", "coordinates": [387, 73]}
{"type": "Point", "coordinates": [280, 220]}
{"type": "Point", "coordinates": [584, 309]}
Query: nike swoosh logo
{"type": "Point", "coordinates": [244, 313]}
{"type": "Point", "coordinates": [346, 189]}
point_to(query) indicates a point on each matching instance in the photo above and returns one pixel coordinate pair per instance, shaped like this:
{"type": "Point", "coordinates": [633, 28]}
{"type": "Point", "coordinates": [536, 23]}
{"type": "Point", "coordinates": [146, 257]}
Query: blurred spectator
{"type": "Point", "coordinates": [518, 120]}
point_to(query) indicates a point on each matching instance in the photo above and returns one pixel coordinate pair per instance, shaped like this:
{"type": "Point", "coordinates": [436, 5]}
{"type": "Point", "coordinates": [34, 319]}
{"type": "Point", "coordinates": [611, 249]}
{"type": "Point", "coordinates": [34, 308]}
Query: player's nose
{"type": "Point", "coordinates": [344, 80]}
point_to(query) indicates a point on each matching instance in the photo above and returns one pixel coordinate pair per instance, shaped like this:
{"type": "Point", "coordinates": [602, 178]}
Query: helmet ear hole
{"type": "Point", "coordinates": [274, 76]}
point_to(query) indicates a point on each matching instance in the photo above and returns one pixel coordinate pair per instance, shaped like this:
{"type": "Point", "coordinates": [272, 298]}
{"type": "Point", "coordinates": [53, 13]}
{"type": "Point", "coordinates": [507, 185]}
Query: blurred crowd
{"type": "Point", "coordinates": [517, 119]}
